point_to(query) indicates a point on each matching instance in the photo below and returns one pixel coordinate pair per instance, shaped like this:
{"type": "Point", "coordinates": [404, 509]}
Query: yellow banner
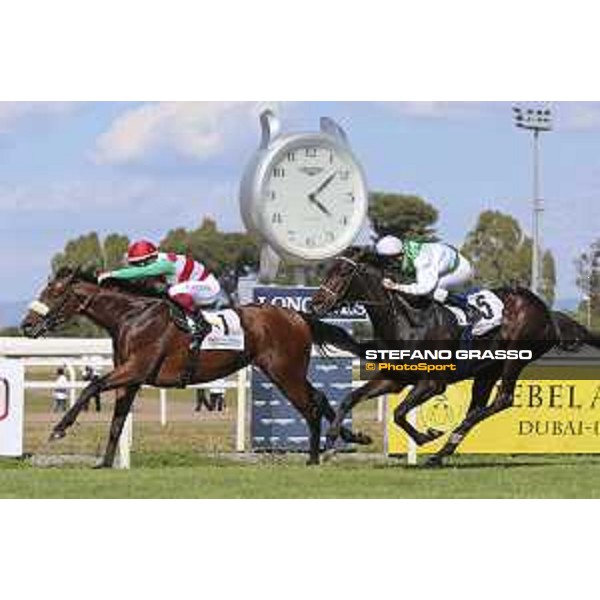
{"type": "Point", "coordinates": [549, 417]}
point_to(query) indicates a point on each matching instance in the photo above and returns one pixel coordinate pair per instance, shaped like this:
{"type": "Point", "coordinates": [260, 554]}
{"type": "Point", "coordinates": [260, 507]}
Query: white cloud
{"type": "Point", "coordinates": [192, 130]}
{"type": "Point", "coordinates": [127, 200]}
{"type": "Point", "coordinates": [578, 116]}
{"type": "Point", "coordinates": [72, 196]}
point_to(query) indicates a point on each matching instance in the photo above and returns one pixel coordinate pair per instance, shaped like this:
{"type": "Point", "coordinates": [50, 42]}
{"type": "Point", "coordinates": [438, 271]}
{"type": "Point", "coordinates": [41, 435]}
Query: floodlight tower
{"type": "Point", "coordinates": [537, 120]}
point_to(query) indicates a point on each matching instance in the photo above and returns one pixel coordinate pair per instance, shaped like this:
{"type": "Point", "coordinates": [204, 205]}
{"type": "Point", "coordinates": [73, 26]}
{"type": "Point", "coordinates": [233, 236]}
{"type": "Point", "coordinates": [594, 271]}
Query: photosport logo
{"type": "Point", "coordinates": [4, 398]}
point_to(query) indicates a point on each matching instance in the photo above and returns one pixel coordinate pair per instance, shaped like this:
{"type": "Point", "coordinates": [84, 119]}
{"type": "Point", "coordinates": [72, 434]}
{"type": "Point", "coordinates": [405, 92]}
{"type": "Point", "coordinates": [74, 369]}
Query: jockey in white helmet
{"type": "Point", "coordinates": [435, 268]}
{"type": "Point", "coordinates": [189, 283]}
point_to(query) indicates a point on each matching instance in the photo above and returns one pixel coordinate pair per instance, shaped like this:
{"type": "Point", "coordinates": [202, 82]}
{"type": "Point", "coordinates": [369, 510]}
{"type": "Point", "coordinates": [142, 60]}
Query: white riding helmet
{"type": "Point", "coordinates": [389, 245]}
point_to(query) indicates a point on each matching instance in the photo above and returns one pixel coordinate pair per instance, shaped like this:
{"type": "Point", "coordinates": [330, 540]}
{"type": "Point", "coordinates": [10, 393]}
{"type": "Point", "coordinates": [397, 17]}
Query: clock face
{"type": "Point", "coordinates": [313, 199]}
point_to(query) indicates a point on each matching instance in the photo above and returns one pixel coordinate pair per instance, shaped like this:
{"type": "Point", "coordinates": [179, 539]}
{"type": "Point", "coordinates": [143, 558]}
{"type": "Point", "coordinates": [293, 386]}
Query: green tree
{"type": "Point", "coordinates": [548, 277]}
{"type": "Point", "coordinates": [85, 251]}
{"type": "Point", "coordinates": [89, 252]}
{"type": "Point", "coordinates": [115, 249]}
{"type": "Point", "coordinates": [588, 281]}
{"type": "Point", "coordinates": [12, 331]}
{"type": "Point", "coordinates": [219, 251]}
{"type": "Point", "coordinates": [405, 216]}
{"type": "Point", "coordinates": [501, 254]}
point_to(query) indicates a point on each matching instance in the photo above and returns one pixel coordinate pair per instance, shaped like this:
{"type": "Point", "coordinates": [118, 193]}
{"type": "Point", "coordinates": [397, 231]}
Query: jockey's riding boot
{"type": "Point", "coordinates": [200, 329]}
{"type": "Point", "coordinates": [473, 314]}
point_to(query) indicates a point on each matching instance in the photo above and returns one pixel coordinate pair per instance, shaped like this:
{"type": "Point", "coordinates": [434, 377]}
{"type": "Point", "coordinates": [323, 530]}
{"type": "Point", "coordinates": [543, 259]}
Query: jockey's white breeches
{"type": "Point", "coordinates": [204, 293]}
{"type": "Point", "coordinates": [456, 279]}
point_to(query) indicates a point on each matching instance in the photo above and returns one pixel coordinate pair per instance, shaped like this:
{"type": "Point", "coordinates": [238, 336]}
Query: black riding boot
{"type": "Point", "coordinates": [200, 329]}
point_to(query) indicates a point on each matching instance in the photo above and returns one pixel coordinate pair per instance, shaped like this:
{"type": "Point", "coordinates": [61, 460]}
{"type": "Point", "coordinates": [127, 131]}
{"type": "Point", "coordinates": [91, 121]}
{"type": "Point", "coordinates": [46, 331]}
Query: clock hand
{"type": "Point", "coordinates": [324, 184]}
{"type": "Point", "coordinates": [313, 197]}
{"type": "Point", "coordinates": [320, 205]}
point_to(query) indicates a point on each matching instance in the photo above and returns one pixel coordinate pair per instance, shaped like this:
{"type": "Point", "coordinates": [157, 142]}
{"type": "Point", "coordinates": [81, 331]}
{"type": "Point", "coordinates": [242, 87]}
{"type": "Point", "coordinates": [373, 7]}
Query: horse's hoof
{"type": "Point", "coordinates": [434, 462]}
{"type": "Point", "coordinates": [434, 434]}
{"type": "Point", "coordinates": [328, 454]}
{"type": "Point", "coordinates": [57, 434]}
{"type": "Point", "coordinates": [331, 438]}
{"type": "Point", "coordinates": [420, 439]}
{"type": "Point", "coordinates": [363, 439]}
{"type": "Point", "coordinates": [100, 465]}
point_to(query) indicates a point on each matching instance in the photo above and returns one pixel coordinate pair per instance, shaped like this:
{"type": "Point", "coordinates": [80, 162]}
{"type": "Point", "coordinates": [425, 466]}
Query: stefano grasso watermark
{"type": "Point", "coordinates": [438, 359]}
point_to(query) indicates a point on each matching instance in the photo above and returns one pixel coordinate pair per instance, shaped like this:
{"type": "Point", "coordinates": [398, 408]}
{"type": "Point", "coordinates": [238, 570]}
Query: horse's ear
{"type": "Point", "coordinates": [363, 253]}
{"type": "Point", "coordinates": [353, 252]}
{"type": "Point", "coordinates": [76, 273]}
{"type": "Point", "coordinates": [62, 272]}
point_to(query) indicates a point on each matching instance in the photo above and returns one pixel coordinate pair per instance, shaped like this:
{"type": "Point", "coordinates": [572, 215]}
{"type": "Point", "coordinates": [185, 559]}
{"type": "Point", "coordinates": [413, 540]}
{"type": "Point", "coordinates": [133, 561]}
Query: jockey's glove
{"type": "Point", "coordinates": [390, 284]}
{"type": "Point", "coordinates": [104, 276]}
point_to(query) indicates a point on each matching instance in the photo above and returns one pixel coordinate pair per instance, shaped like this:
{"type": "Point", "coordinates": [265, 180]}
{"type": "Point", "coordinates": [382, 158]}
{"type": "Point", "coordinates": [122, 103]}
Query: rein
{"type": "Point", "coordinates": [52, 317]}
{"type": "Point", "coordinates": [399, 308]}
{"type": "Point", "coordinates": [357, 270]}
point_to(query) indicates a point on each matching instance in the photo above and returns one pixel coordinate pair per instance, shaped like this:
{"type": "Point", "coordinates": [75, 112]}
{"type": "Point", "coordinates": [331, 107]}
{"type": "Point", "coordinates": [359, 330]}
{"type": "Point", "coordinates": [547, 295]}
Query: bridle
{"type": "Point", "coordinates": [357, 269]}
{"type": "Point", "coordinates": [52, 316]}
{"type": "Point", "coordinates": [393, 302]}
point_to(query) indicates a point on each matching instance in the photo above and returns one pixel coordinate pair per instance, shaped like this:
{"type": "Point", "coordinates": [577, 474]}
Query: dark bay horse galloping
{"type": "Point", "coordinates": [527, 323]}
{"type": "Point", "coordinates": [150, 349]}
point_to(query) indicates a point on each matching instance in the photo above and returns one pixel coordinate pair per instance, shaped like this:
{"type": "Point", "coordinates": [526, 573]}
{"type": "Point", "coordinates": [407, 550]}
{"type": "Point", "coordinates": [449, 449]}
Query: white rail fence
{"type": "Point", "coordinates": [74, 353]}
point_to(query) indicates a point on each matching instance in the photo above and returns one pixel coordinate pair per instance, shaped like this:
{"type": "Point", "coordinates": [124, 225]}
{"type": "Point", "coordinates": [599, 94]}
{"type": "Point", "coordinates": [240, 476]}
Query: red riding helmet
{"type": "Point", "coordinates": [141, 251]}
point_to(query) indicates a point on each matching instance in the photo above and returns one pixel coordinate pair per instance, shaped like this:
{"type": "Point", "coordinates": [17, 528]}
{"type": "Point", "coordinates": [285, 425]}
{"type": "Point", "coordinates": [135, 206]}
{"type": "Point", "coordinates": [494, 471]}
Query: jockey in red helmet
{"type": "Point", "coordinates": [190, 284]}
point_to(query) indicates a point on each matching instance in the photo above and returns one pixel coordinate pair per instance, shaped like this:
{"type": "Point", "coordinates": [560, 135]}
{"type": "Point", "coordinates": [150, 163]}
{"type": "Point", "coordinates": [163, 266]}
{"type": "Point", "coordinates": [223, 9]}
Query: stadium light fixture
{"type": "Point", "coordinates": [537, 120]}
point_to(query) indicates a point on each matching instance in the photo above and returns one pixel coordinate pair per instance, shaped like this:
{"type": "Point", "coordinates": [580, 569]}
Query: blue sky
{"type": "Point", "coordinates": [144, 168]}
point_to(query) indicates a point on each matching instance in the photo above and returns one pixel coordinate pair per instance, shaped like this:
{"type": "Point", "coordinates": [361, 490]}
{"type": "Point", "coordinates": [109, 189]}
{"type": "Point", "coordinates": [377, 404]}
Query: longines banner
{"type": "Point", "coordinates": [298, 298]}
{"type": "Point", "coordinates": [559, 416]}
{"type": "Point", "coordinates": [11, 408]}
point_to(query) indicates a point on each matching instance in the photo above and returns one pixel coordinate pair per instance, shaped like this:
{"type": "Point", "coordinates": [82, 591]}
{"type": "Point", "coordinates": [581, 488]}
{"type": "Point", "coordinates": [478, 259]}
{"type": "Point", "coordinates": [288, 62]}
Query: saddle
{"type": "Point", "coordinates": [489, 306]}
{"type": "Point", "coordinates": [226, 328]}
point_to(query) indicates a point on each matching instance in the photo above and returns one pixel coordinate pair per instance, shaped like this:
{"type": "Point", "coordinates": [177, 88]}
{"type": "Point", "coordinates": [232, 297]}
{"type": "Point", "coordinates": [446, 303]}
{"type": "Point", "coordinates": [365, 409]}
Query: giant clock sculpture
{"type": "Point", "coordinates": [304, 194]}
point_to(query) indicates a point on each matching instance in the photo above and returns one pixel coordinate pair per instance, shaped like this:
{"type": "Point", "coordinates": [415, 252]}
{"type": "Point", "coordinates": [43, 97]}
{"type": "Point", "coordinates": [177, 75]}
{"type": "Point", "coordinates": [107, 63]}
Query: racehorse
{"type": "Point", "coordinates": [149, 348]}
{"type": "Point", "coordinates": [526, 323]}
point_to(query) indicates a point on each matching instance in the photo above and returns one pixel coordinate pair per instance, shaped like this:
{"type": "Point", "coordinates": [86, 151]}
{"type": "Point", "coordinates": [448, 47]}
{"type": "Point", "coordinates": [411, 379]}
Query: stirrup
{"type": "Point", "coordinates": [199, 329]}
{"type": "Point", "coordinates": [197, 339]}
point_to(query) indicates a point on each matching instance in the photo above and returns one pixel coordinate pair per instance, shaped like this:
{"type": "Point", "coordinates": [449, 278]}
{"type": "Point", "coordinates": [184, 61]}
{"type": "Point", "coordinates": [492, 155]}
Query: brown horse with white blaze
{"type": "Point", "coordinates": [150, 349]}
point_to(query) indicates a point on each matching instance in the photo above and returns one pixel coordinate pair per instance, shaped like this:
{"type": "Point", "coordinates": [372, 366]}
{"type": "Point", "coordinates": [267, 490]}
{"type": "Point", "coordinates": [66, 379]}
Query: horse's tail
{"type": "Point", "coordinates": [571, 334]}
{"type": "Point", "coordinates": [325, 334]}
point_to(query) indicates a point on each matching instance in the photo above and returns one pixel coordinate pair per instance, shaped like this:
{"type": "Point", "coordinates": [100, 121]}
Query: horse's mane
{"type": "Point", "coordinates": [122, 285]}
{"type": "Point", "coordinates": [135, 288]}
{"type": "Point", "coordinates": [79, 273]}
